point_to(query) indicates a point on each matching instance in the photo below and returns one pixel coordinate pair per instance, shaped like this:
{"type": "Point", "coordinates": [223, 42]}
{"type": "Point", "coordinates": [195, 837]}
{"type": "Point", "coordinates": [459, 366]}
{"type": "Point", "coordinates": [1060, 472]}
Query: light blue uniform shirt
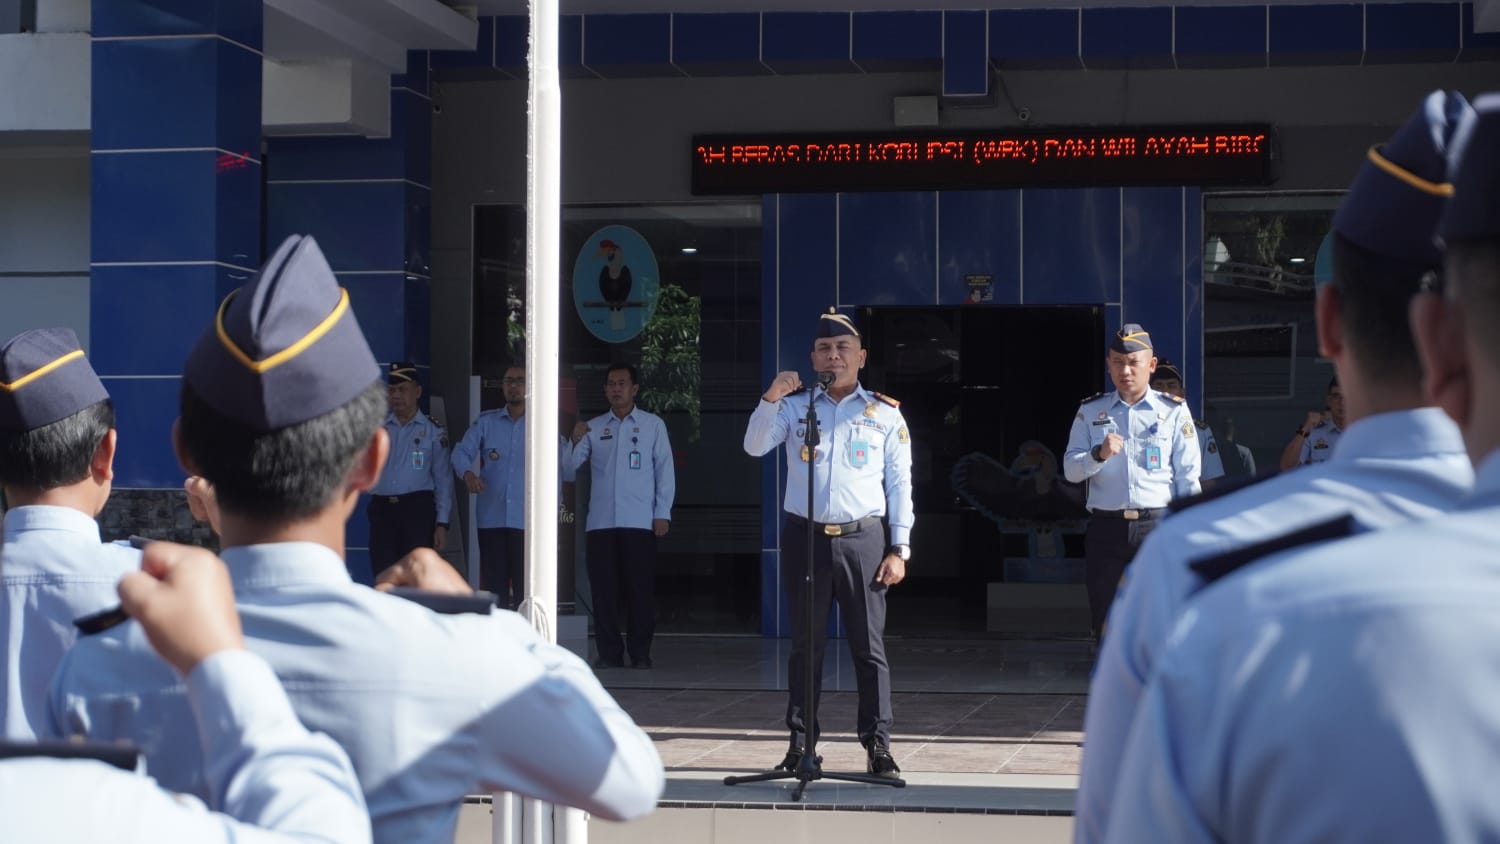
{"type": "Point", "coordinates": [863, 460]}
{"type": "Point", "coordinates": [1210, 464]}
{"type": "Point", "coordinates": [53, 569]}
{"type": "Point", "coordinates": [1388, 469]}
{"type": "Point", "coordinates": [1161, 457]}
{"type": "Point", "coordinates": [630, 464]}
{"type": "Point", "coordinates": [401, 688]}
{"type": "Point", "coordinates": [1317, 446]}
{"type": "Point", "coordinates": [498, 442]}
{"type": "Point", "coordinates": [272, 779]}
{"type": "Point", "coordinates": [1342, 693]}
{"type": "Point", "coordinates": [418, 462]}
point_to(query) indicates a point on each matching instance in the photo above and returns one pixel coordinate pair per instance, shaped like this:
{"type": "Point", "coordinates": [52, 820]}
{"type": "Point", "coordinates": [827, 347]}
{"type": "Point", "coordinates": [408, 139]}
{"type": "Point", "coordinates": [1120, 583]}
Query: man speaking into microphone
{"type": "Point", "coordinates": [861, 472]}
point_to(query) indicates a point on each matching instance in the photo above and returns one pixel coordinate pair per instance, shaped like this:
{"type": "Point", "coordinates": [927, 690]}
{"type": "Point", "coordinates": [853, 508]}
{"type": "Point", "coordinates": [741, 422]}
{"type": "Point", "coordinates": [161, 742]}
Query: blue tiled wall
{"type": "Point", "coordinates": [174, 205]}
{"type": "Point", "coordinates": [1136, 251]}
{"type": "Point", "coordinates": [964, 44]}
{"type": "Point", "coordinates": [368, 202]}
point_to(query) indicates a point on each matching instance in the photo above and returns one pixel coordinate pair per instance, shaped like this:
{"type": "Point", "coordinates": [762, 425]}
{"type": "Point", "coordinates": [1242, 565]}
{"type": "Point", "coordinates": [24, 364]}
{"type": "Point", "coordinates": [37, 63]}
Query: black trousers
{"type": "Point", "coordinates": [622, 563]}
{"type": "Point", "coordinates": [502, 564]}
{"type": "Point", "coordinates": [844, 568]}
{"type": "Point", "coordinates": [1109, 546]}
{"type": "Point", "coordinates": [399, 523]}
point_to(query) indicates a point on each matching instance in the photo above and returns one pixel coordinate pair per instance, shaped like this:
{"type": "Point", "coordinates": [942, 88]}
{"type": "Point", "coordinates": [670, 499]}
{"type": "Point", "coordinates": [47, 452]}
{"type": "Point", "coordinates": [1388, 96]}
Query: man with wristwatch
{"type": "Point", "coordinates": [862, 474]}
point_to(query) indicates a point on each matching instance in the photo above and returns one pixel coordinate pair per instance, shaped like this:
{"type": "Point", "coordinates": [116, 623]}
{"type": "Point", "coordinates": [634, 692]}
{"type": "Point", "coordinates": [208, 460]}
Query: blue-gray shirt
{"type": "Point", "coordinates": [418, 462]}
{"type": "Point", "coordinates": [53, 569]}
{"type": "Point", "coordinates": [1388, 469]}
{"type": "Point", "coordinates": [1342, 693]}
{"type": "Point", "coordinates": [630, 463]}
{"type": "Point", "coordinates": [401, 688]}
{"type": "Point", "coordinates": [273, 781]}
{"type": "Point", "coordinates": [864, 459]}
{"type": "Point", "coordinates": [498, 442]}
{"type": "Point", "coordinates": [1161, 460]}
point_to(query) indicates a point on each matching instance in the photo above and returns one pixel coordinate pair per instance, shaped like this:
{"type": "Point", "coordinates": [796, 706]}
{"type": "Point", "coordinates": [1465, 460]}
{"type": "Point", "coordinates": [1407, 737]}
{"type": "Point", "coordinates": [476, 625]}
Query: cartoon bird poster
{"type": "Point", "coordinates": [615, 283]}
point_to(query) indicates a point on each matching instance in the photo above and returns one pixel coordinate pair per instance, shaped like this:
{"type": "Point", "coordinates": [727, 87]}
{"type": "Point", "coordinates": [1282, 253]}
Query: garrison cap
{"type": "Point", "coordinates": [835, 324]}
{"type": "Point", "coordinates": [1130, 338]}
{"type": "Point", "coordinates": [401, 372]}
{"type": "Point", "coordinates": [1474, 210]}
{"type": "Point", "coordinates": [44, 377]}
{"type": "Point", "coordinates": [284, 348]}
{"type": "Point", "coordinates": [1166, 369]}
{"type": "Point", "coordinates": [1397, 197]}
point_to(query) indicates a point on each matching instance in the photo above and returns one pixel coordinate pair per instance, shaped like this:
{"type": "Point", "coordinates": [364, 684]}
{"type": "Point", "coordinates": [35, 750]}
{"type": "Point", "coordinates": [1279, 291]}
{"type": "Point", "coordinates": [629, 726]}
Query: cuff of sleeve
{"type": "Point", "coordinates": [230, 691]}
{"type": "Point", "coordinates": [900, 535]}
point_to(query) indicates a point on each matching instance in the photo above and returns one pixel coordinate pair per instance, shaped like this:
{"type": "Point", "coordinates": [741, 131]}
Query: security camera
{"type": "Point", "coordinates": [1024, 115]}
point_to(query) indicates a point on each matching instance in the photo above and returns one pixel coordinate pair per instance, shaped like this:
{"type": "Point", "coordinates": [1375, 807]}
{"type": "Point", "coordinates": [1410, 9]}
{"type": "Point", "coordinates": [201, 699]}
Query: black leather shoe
{"type": "Point", "coordinates": [793, 760]}
{"type": "Point", "coordinates": [644, 662]}
{"type": "Point", "coordinates": [881, 763]}
{"type": "Point", "coordinates": [602, 663]}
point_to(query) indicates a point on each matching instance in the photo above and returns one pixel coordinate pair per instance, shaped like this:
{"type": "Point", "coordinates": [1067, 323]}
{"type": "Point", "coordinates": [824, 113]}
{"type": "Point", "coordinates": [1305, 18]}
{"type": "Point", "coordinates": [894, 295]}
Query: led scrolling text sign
{"type": "Point", "coordinates": [1164, 155]}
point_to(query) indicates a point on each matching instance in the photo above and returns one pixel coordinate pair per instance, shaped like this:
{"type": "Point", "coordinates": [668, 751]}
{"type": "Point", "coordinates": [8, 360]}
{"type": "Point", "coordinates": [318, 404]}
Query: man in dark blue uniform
{"type": "Point", "coordinates": [863, 473]}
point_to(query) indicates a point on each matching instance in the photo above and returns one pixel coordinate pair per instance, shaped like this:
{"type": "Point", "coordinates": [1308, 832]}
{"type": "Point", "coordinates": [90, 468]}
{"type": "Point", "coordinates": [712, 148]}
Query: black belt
{"type": "Point", "coordinates": [836, 530]}
{"type": "Point", "coordinates": [396, 499]}
{"type": "Point", "coordinates": [1132, 514]}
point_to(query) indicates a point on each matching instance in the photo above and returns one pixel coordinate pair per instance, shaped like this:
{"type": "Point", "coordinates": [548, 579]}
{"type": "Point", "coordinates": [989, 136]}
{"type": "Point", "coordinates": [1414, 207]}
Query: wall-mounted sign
{"type": "Point", "coordinates": [981, 288]}
{"type": "Point", "coordinates": [980, 159]}
{"type": "Point", "coordinates": [615, 283]}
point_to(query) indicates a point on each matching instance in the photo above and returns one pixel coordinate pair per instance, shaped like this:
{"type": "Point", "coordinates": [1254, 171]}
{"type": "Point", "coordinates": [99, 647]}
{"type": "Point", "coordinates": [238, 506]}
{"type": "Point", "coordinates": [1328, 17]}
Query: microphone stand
{"type": "Point", "coordinates": [810, 768]}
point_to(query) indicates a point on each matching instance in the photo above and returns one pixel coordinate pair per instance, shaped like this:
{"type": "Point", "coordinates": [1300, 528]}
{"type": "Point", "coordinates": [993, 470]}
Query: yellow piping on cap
{"type": "Point", "coordinates": [262, 366]}
{"type": "Point", "coordinates": [39, 372]}
{"type": "Point", "coordinates": [1421, 184]}
{"type": "Point", "coordinates": [844, 321]}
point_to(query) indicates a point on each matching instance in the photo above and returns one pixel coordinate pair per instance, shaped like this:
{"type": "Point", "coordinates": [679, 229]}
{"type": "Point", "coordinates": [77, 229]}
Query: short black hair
{"type": "Point", "coordinates": [57, 454]}
{"type": "Point", "coordinates": [635, 377]}
{"type": "Point", "coordinates": [290, 473]}
{"type": "Point", "coordinates": [1375, 293]}
{"type": "Point", "coordinates": [1474, 270]}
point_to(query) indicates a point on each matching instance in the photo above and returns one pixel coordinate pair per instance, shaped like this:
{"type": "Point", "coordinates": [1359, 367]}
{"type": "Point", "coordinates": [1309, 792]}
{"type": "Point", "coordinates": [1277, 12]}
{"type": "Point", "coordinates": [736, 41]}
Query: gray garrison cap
{"type": "Point", "coordinates": [44, 378]}
{"type": "Point", "coordinates": [284, 348]}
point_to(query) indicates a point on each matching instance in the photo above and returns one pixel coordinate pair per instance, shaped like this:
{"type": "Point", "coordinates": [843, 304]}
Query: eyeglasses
{"type": "Point", "coordinates": [509, 381]}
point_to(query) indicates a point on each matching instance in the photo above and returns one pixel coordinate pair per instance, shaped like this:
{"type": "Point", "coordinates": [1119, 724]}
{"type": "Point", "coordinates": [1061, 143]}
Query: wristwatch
{"type": "Point", "coordinates": [902, 550]}
{"type": "Point", "coordinates": [1302, 432]}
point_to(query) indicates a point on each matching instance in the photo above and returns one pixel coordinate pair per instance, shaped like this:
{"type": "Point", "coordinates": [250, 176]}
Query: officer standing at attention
{"type": "Point", "coordinates": [1399, 461]}
{"type": "Point", "coordinates": [1138, 450]}
{"type": "Point", "coordinates": [1346, 692]}
{"type": "Point", "coordinates": [497, 440]}
{"type": "Point", "coordinates": [271, 779]}
{"type": "Point", "coordinates": [288, 449]}
{"type": "Point", "coordinates": [57, 452]}
{"type": "Point", "coordinates": [630, 506]}
{"type": "Point", "coordinates": [1168, 379]}
{"type": "Point", "coordinates": [1314, 441]}
{"type": "Point", "coordinates": [409, 507]}
{"type": "Point", "coordinates": [863, 474]}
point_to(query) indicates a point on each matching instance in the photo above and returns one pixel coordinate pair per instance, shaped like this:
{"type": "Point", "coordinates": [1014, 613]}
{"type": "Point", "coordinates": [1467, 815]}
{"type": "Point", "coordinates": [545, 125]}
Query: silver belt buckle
{"type": "Point", "coordinates": [1130, 515]}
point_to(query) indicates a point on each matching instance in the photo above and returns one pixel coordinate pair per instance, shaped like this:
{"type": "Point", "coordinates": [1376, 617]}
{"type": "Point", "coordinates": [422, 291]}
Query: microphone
{"type": "Point", "coordinates": [824, 379]}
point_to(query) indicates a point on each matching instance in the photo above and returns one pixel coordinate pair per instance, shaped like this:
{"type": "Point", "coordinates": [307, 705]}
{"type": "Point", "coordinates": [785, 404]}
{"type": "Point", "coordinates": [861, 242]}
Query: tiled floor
{"type": "Point", "coordinates": [961, 707]}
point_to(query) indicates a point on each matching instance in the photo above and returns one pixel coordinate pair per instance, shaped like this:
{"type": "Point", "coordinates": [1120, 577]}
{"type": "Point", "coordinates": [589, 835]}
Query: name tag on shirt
{"type": "Point", "coordinates": [1153, 457]}
{"type": "Point", "coordinates": [859, 453]}
{"type": "Point", "coordinates": [635, 460]}
{"type": "Point", "coordinates": [418, 459]}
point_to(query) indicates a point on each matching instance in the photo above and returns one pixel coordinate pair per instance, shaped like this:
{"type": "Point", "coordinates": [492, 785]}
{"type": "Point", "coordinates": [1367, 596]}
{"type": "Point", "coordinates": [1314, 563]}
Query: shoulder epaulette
{"type": "Point", "coordinates": [1093, 397]}
{"type": "Point", "coordinates": [885, 398]}
{"type": "Point", "coordinates": [1202, 426]}
{"type": "Point", "coordinates": [1215, 567]}
{"type": "Point", "coordinates": [1224, 486]}
{"type": "Point", "coordinates": [447, 603]}
{"type": "Point", "coordinates": [1178, 399]}
{"type": "Point", "coordinates": [126, 757]}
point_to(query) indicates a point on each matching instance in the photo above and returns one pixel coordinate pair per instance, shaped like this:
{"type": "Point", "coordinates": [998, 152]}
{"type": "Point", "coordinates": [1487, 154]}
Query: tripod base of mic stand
{"type": "Point", "coordinates": [809, 770]}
